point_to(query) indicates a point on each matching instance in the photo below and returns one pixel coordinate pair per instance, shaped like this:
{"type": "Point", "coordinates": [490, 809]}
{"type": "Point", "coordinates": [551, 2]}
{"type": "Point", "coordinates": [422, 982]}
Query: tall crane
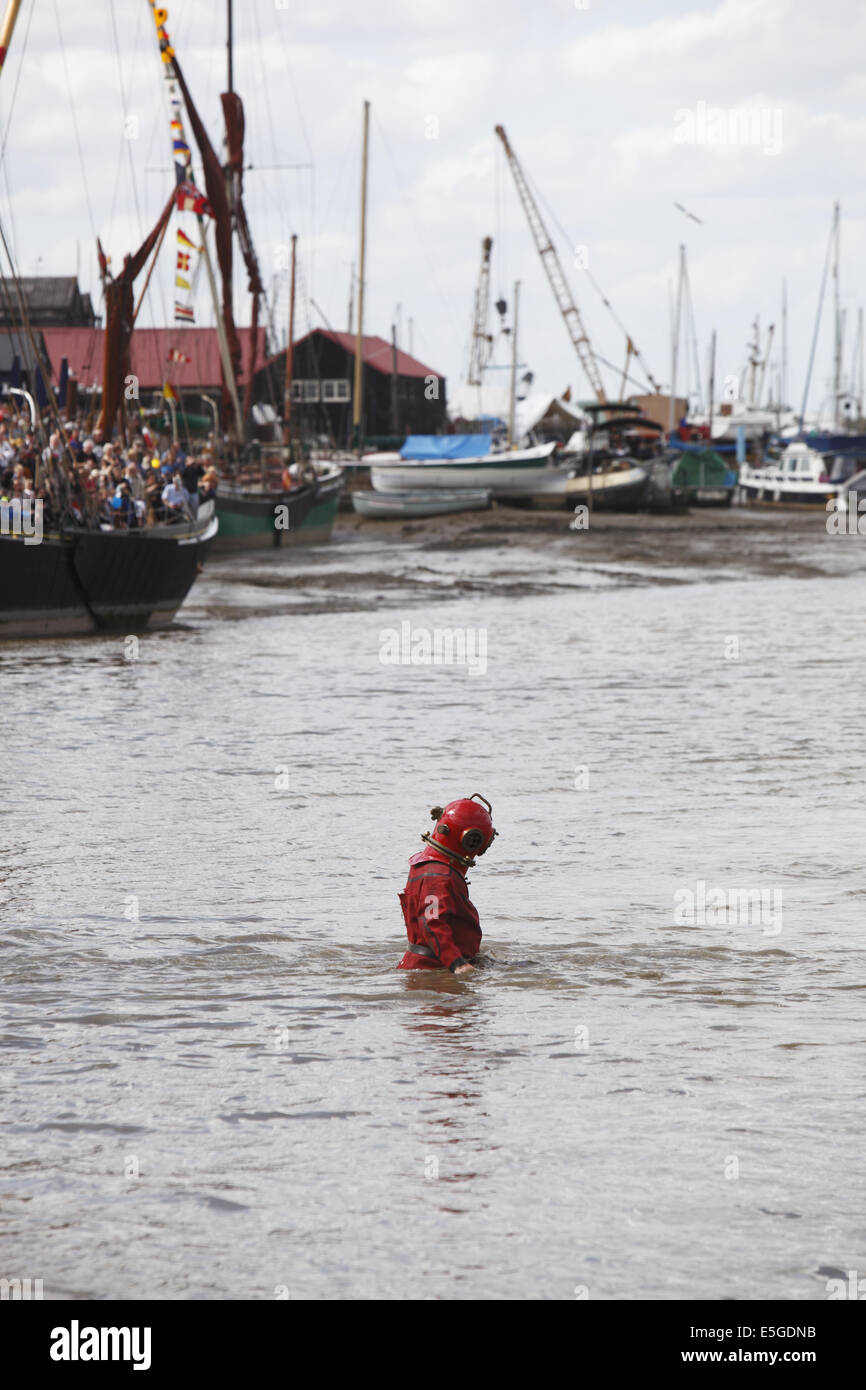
{"type": "Point", "coordinates": [558, 283]}
{"type": "Point", "coordinates": [479, 348]}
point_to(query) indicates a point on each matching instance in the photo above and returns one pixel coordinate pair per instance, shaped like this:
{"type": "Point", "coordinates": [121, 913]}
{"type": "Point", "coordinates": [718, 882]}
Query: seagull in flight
{"type": "Point", "coordinates": [686, 213]}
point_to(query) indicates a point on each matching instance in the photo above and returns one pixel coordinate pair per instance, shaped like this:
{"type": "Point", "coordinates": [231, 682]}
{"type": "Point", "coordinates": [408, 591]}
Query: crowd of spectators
{"type": "Point", "coordinates": [93, 481]}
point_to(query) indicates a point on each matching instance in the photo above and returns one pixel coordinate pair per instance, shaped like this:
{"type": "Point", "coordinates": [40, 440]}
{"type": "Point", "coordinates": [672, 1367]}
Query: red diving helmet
{"type": "Point", "coordinates": [464, 829]}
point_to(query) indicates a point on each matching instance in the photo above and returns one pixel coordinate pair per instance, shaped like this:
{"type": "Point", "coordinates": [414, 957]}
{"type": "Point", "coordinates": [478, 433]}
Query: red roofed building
{"type": "Point", "coordinates": [83, 348]}
{"type": "Point", "coordinates": [399, 398]}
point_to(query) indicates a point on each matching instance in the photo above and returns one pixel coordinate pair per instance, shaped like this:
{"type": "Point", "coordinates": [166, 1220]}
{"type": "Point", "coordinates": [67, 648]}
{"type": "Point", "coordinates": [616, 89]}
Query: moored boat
{"type": "Point", "coordinates": [261, 517]}
{"type": "Point", "coordinates": [468, 461]}
{"type": "Point", "coordinates": [702, 478]}
{"type": "Point", "coordinates": [383, 506]}
{"type": "Point", "coordinates": [78, 580]}
{"type": "Point", "coordinates": [618, 462]}
{"type": "Point", "coordinates": [620, 483]}
{"type": "Point", "coordinates": [810, 472]}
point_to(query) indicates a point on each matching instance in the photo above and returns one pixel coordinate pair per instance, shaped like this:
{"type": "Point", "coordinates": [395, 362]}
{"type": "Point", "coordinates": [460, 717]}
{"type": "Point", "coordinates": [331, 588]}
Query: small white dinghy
{"type": "Point", "coordinates": [383, 506]}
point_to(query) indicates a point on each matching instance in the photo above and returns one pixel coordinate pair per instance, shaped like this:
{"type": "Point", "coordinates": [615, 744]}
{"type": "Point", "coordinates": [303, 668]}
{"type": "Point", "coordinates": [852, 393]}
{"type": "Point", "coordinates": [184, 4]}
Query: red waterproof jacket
{"type": "Point", "coordinates": [438, 914]}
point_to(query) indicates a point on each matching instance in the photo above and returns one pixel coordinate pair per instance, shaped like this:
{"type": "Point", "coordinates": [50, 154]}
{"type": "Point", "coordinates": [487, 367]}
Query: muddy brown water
{"type": "Point", "coordinates": [216, 1085]}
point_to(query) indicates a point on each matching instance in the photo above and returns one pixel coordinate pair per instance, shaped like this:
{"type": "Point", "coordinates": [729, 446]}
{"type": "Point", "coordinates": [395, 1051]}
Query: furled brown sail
{"type": "Point", "coordinates": [233, 112]}
{"type": "Point", "coordinates": [119, 318]}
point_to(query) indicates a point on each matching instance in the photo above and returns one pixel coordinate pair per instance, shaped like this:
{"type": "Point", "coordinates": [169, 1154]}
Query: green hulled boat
{"type": "Point", "coordinates": [259, 518]}
{"type": "Point", "coordinates": [702, 478]}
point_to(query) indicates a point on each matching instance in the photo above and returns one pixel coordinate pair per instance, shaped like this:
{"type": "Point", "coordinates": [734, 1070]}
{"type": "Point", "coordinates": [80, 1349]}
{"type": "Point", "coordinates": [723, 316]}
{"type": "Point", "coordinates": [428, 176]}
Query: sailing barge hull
{"type": "Point", "coordinates": [96, 581]}
{"type": "Point", "coordinates": [249, 519]}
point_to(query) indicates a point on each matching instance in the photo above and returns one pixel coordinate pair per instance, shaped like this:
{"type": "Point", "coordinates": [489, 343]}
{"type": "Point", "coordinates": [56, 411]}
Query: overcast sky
{"type": "Point", "coordinates": [596, 100]}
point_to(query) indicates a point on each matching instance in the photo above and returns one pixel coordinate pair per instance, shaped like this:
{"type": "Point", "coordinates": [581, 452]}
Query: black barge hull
{"type": "Point", "coordinates": [83, 582]}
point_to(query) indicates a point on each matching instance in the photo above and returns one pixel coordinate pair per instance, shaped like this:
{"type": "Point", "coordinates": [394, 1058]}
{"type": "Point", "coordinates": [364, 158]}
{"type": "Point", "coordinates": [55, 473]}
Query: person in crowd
{"type": "Point", "coordinates": [134, 480]}
{"type": "Point", "coordinates": [175, 497]}
{"type": "Point", "coordinates": [190, 476]}
{"type": "Point", "coordinates": [7, 448]}
{"type": "Point", "coordinates": [207, 489]}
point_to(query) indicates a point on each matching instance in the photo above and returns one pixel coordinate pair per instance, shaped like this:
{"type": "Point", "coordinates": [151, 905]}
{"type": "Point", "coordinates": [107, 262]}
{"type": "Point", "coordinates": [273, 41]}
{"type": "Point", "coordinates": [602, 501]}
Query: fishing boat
{"type": "Point", "coordinates": [384, 506]}
{"type": "Point", "coordinates": [618, 463]}
{"type": "Point", "coordinates": [455, 461]}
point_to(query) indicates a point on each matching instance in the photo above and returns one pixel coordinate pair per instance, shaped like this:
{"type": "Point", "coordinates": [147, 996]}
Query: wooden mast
{"type": "Point", "coordinates": [172, 75]}
{"type": "Point", "coordinates": [290, 350]}
{"type": "Point", "coordinates": [7, 28]}
{"type": "Point", "coordinates": [229, 46]}
{"type": "Point", "coordinates": [359, 336]}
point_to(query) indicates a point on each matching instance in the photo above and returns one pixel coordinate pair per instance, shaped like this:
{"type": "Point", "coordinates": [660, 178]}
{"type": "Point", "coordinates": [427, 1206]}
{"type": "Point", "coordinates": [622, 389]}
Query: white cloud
{"type": "Point", "coordinates": [588, 97]}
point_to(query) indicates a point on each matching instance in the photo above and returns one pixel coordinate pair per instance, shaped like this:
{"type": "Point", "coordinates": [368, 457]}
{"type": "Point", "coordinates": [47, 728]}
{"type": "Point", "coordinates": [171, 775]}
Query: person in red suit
{"type": "Point", "coordinates": [441, 923]}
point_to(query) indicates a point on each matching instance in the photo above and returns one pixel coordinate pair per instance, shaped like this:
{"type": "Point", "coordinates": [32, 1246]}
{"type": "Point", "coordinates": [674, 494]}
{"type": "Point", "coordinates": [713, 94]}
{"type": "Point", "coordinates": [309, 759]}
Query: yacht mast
{"type": "Point", "coordinates": [837, 327]}
{"type": "Point", "coordinates": [675, 340]}
{"type": "Point", "coordinates": [512, 407]}
{"type": "Point", "coordinates": [859, 364]}
{"type": "Point", "coordinates": [290, 349]}
{"type": "Point", "coordinates": [783, 384]}
{"type": "Point", "coordinates": [711, 388]}
{"type": "Point", "coordinates": [362, 259]}
{"type": "Point", "coordinates": [818, 316]}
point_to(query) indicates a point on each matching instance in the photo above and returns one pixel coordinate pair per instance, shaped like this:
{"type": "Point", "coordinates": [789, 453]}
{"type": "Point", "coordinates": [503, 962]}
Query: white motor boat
{"type": "Point", "coordinates": [803, 475]}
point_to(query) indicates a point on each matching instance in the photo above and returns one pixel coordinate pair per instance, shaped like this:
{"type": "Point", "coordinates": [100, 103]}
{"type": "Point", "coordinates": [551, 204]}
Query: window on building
{"type": "Point", "coordinates": [311, 391]}
{"type": "Point", "coordinates": [335, 390]}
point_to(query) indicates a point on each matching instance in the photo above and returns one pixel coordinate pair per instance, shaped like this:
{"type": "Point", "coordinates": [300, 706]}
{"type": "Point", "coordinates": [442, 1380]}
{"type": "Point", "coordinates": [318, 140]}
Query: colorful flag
{"type": "Point", "coordinates": [176, 356]}
{"type": "Point", "coordinates": [169, 392]}
{"type": "Point", "coordinates": [184, 311]}
{"type": "Point", "coordinates": [181, 283]}
{"type": "Point", "coordinates": [183, 260]}
{"type": "Point", "coordinates": [190, 200]}
{"type": "Point", "coordinates": [185, 240]}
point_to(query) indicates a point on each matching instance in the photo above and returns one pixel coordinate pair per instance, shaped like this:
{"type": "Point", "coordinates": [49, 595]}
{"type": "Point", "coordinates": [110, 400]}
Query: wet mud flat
{"type": "Point", "coordinates": [511, 550]}
{"type": "Point", "coordinates": [756, 539]}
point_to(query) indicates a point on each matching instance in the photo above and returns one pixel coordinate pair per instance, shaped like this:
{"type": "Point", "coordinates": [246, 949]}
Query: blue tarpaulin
{"type": "Point", "coordinates": [446, 446]}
